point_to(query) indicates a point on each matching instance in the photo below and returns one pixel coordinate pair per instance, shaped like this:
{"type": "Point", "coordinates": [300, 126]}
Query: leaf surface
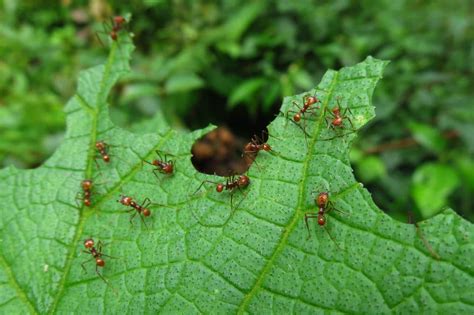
{"type": "Point", "coordinates": [197, 256]}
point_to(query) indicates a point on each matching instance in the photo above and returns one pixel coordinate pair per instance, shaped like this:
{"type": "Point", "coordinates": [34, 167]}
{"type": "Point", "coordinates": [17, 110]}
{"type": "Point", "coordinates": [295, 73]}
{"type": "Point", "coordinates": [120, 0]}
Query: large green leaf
{"type": "Point", "coordinates": [257, 259]}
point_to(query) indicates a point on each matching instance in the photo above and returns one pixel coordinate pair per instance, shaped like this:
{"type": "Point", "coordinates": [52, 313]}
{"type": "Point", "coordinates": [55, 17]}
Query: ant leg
{"type": "Point", "coordinates": [158, 153]}
{"type": "Point", "coordinates": [295, 103]}
{"type": "Point", "coordinates": [96, 163]}
{"type": "Point", "coordinates": [243, 193]}
{"type": "Point", "coordinates": [206, 181]}
{"type": "Point", "coordinates": [132, 216]}
{"type": "Point", "coordinates": [143, 161]}
{"type": "Point", "coordinates": [148, 202]}
{"type": "Point", "coordinates": [421, 236]}
{"type": "Point", "coordinates": [306, 135]}
{"type": "Point", "coordinates": [156, 175]}
{"type": "Point", "coordinates": [82, 265]}
{"type": "Point", "coordinates": [252, 158]}
{"type": "Point", "coordinates": [331, 207]}
{"type": "Point", "coordinates": [307, 216]}
{"type": "Point", "coordinates": [79, 197]}
{"type": "Point", "coordinates": [144, 223]}
{"type": "Point", "coordinates": [330, 236]}
{"type": "Point", "coordinates": [99, 274]}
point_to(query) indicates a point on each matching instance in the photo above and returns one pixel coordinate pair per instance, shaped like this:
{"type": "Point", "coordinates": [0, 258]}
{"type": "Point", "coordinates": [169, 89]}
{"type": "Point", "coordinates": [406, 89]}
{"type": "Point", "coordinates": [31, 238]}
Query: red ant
{"type": "Point", "coordinates": [255, 145]}
{"type": "Point", "coordinates": [87, 188]}
{"type": "Point", "coordinates": [324, 204]}
{"type": "Point", "coordinates": [96, 255]}
{"type": "Point", "coordinates": [102, 149]}
{"type": "Point", "coordinates": [140, 209]}
{"type": "Point", "coordinates": [118, 23]}
{"type": "Point", "coordinates": [308, 101]}
{"type": "Point", "coordinates": [232, 182]}
{"type": "Point", "coordinates": [337, 116]}
{"type": "Point", "coordinates": [421, 236]}
{"type": "Point", "coordinates": [163, 165]}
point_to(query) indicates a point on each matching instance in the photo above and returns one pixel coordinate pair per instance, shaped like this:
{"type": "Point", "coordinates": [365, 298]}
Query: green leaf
{"type": "Point", "coordinates": [428, 136]}
{"type": "Point", "coordinates": [245, 91]}
{"type": "Point", "coordinates": [256, 259]}
{"type": "Point", "coordinates": [370, 168]}
{"type": "Point", "coordinates": [432, 185]}
{"type": "Point", "coordinates": [183, 82]}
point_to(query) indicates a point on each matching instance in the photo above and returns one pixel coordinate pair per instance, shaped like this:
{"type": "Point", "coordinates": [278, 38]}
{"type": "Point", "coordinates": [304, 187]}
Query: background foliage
{"type": "Point", "coordinates": [231, 62]}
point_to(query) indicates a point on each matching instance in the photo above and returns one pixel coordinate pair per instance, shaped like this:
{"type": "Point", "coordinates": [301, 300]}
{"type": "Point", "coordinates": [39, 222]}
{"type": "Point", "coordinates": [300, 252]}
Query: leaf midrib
{"type": "Point", "coordinates": [301, 199]}
{"type": "Point", "coordinates": [82, 214]}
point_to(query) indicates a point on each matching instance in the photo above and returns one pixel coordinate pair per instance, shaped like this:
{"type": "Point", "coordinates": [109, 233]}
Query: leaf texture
{"type": "Point", "coordinates": [199, 256]}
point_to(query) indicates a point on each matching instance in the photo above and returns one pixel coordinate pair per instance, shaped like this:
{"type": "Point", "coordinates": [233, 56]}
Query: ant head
{"type": "Point", "coordinates": [146, 212]}
{"type": "Point", "coordinates": [297, 117]}
{"type": "Point", "coordinates": [106, 158]}
{"type": "Point", "coordinates": [322, 199]}
{"type": "Point", "coordinates": [220, 187]}
{"type": "Point", "coordinates": [336, 110]}
{"type": "Point", "coordinates": [119, 20]}
{"type": "Point", "coordinates": [267, 147]}
{"type": "Point", "coordinates": [126, 201]}
{"type": "Point", "coordinates": [89, 243]}
{"type": "Point", "coordinates": [100, 145]}
{"type": "Point", "coordinates": [113, 35]}
{"type": "Point", "coordinates": [168, 168]}
{"type": "Point", "coordinates": [244, 180]}
{"type": "Point", "coordinates": [100, 262]}
{"type": "Point", "coordinates": [337, 121]}
{"type": "Point", "coordinates": [87, 202]}
{"type": "Point", "coordinates": [86, 184]}
{"type": "Point", "coordinates": [310, 100]}
{"type": "Point", "coordinates": [249, 147]}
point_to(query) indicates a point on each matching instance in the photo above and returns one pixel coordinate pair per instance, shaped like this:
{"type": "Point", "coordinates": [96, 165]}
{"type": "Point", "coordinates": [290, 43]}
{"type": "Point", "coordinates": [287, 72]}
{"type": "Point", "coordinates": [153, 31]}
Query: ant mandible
{"type": "Point", "coordinates": [232, 183]}
{"type": "Point", "coordinates": [87, 192]}
{"type": "Point", "coordinates": [324, 205]}
{"type": "Point", "coordinates": [163, 165]}
{"type": "Point", "coordinates": [139, 209]}
{"type": "Point", "coordinates": [96, 255]}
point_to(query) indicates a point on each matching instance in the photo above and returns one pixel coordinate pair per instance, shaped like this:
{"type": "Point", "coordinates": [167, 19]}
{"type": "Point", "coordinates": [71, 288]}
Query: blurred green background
{"type": "Point", "coordinates": [232, 62]}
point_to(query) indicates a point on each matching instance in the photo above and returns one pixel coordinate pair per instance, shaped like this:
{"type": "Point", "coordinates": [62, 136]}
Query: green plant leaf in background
{"type": "Point", "coordinates": [255, 260]}
{"type": "Point", "coordinates": [433, 177]}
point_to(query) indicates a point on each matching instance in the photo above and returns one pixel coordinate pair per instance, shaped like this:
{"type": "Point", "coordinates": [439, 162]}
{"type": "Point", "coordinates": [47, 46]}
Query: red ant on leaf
{"type": "Point", "coordinates": [324, 205]}
{"type": "Point", "coordinates": [102, 149]}
{"type": "Point", "coordinates": [139, 209]}
{"type": "Point", "coordinates": [232, 183]}
{"type": "Point", "coordinates": [87, 192]}
{"type": "Point", "coordinates": [118, 24]}
{"type": "Point", "coordinates": [163, 165]}
{"type": "Point", "coordinates": [308, 102]}
{"type": "Point", "coordinates": [336, 116]}
{"type": "Point", "coordinates": [96, 255]}
{"type": "Point", "coordinates": [255, 145]}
